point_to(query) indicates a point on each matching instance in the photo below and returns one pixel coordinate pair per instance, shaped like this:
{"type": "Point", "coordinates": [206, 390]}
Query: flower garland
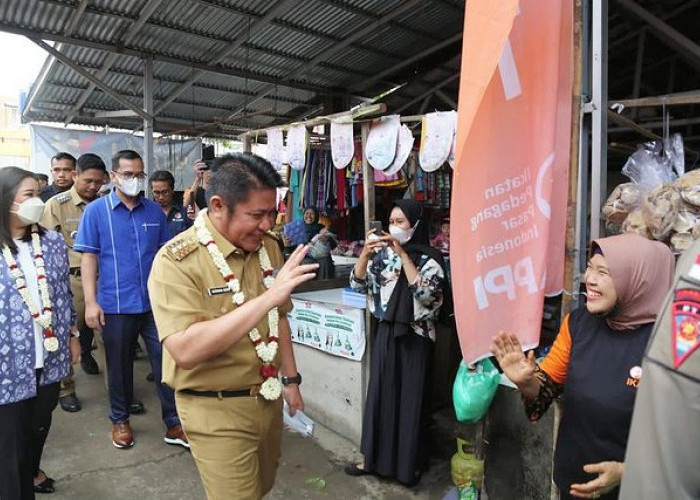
{"type": "Point", "coordinates": [271, 387]}
{"type": "Point", "coordinates": [43, 317]}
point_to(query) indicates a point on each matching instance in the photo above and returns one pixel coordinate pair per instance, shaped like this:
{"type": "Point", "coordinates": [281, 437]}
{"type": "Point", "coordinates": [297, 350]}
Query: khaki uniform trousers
{"type": "Point", "coordinates": [68, 384]}
{"type": "Point", "coordinates": [236, 443]}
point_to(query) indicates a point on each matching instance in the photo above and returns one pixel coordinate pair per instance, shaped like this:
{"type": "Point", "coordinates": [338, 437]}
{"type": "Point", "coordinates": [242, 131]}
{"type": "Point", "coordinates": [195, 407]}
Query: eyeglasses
{"type": "Point", "coordinates": [164, 192]}
{"type": "Point", "coordinates": [127, 176]}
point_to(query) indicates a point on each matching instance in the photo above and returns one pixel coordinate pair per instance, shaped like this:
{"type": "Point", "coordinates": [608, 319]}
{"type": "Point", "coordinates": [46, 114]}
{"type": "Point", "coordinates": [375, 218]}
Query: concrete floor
{"type": "Point", "coordinates": [80, 457]}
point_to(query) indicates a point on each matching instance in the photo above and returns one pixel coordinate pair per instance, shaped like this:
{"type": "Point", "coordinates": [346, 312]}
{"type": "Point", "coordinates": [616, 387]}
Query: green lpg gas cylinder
{"type": "Point", "coordinates": [466, 468]}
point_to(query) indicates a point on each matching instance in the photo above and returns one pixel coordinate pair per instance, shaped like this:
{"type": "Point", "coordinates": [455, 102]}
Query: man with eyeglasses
{"type": "Point", "coordinates": [119, 236]}
{"type": "Point", "coordinates": [163, 190]}
{"type": "Point", "coordinates": [62, 213]}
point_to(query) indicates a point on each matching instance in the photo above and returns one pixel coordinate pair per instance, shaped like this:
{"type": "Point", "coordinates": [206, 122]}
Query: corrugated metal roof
{"type": "Point", "coordinates": [235, 56]}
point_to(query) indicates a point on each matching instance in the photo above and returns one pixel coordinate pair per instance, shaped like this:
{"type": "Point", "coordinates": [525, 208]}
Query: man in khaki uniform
{"type": "Point", "coordinates": [227, 397]}
{"type": "Point", "coordinates": [664, 443]}
{"type": "Point", "coordinates": [62, 213]}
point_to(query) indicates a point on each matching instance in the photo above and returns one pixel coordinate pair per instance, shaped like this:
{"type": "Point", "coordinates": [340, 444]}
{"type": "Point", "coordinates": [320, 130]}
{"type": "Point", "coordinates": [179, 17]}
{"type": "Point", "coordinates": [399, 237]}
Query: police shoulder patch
{"type": "Point", "coordinates": [686, 325]}
{"type": "Point", "coordinates": [182, 246]}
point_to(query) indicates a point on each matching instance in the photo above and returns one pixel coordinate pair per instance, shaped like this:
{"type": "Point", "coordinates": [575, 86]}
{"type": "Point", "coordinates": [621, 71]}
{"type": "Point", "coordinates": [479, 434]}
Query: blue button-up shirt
{"type": "Point", "coordinates": [125, 241]}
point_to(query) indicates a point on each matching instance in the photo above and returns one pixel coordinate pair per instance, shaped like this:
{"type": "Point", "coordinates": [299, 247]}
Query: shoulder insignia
{"type": "Point", "coordinates": [179, 248]}
{"type": "Point", "coordinates": [272, 235]}
{"type": "Point", "coordinates": [62, 199]}
{"type": "Point", "coordinates": [686, 324]}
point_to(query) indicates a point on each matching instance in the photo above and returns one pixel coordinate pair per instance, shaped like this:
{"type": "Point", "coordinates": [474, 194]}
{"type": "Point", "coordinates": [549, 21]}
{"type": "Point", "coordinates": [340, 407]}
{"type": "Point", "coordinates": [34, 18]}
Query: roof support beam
{"type": "Point", "coordinates": [280, 7]}
{"type": "Point", "coordinates": [162, 57]}
{"type": "Point", "coordinates": [329, 51]}
{"type": "Point", "coordinates": [48, 64]}
{"type": "Point", "coordinates": [429, 92]}
{"type": "Point", "coordinates": [446, 99]}
{"type": "Point", "coordinates": [223, 8]}
{"type": "Point", "coordinates": [671, 37]}
{"type": "Point", "coordinates": [98, 83]}
{"type": "Point", "coordinates": [393, 69]}
{"type": "Point", "coordinates": [145, 13]}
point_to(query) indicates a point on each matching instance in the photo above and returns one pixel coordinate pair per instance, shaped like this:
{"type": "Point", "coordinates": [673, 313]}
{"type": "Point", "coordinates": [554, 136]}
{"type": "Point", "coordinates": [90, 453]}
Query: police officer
{"type": "Point", "coordinates": [664, 442]}
{"type": "Point", "coordinates": [222, 319]}
{"type": "Point", "coordinates": [63, 213]}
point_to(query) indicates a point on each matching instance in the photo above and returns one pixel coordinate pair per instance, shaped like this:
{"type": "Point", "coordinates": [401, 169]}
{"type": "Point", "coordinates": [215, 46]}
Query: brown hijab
{"type": "Point", "coordinates": [642, 271]}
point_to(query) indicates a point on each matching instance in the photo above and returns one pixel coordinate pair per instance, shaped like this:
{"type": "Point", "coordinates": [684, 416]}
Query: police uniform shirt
{"type": "Point", "coordinates": [63, 213]}
{"type": "Point", "coordinates": [664, 442]}
{"type": "Point", "coordinates": [186, 288]}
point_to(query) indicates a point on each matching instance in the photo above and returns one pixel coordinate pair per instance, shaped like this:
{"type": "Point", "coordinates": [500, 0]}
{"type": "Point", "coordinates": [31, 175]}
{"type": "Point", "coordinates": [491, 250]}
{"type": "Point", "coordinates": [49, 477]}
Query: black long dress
{"type": "Point", "coordinates": [393, 427]}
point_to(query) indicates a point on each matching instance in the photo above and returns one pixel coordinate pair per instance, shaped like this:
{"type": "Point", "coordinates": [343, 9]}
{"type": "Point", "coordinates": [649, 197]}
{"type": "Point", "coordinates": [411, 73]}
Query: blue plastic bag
{"type": "Point", "coordinates": [474, 390]}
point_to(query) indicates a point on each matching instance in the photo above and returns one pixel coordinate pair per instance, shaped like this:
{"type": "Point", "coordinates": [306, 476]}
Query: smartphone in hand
{"type": "Point", "coordinates": [377, 226]}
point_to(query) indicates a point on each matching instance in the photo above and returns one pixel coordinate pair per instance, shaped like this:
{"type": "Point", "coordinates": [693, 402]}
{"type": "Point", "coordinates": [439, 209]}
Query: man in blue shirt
{"type": "Point", "coordinates": [163, 190]}
{"type": "Point", "coordinates": [119, 236]}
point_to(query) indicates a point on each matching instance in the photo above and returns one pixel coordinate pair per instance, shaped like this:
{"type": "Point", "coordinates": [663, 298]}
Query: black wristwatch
{"type": "Point", "coordinates": [292, 380]}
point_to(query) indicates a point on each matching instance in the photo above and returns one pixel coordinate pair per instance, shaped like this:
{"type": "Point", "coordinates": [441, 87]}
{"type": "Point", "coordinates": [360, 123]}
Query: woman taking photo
{"type": "Point", "coordinates": [35, 350]}
{"type": "Point", "coordinates": [595, 362]}
{"type": "Point", "coordinates": [404, 278]}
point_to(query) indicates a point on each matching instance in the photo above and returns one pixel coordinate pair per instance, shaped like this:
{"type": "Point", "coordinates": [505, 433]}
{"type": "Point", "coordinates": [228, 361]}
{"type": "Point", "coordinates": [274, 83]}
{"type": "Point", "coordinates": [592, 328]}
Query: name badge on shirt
{"type": "Point", "coordinates": [218, 290]}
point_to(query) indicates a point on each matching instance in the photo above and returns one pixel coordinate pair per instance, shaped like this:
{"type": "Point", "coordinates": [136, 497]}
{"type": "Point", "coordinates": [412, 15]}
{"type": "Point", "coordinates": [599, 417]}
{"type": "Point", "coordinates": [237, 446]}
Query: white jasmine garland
{"type": "Point", "coordinates": [44, 317]}
{"type": "Point", "coordinates": [271, 387]}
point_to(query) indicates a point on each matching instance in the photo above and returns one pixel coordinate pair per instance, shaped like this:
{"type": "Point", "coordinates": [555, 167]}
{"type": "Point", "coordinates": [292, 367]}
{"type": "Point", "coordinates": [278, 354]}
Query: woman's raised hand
{"type": "Point", "coordinates": [509, 354]}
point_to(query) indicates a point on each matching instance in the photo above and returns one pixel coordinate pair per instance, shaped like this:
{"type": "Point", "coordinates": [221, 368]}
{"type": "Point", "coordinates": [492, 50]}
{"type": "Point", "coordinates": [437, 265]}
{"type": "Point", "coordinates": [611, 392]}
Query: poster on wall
{"type": "Point", "coordinates": [337, 330]}
{"type": "Point", "coordinates": [511, 171]}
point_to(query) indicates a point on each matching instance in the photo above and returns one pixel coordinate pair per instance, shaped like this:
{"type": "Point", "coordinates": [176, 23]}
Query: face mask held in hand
{"type": "Point", "coordinates": [30, 211]}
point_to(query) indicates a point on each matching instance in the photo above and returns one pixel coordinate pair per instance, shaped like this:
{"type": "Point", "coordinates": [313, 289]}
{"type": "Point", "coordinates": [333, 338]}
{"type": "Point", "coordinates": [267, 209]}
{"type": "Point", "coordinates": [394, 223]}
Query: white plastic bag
{"type": "Point", "coordinates": [300, 422]}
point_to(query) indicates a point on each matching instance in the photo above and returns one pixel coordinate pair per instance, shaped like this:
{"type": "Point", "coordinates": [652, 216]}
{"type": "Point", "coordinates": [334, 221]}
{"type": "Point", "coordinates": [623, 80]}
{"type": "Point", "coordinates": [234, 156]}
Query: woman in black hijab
{"type": "Point", "coordinates": [404, 279]}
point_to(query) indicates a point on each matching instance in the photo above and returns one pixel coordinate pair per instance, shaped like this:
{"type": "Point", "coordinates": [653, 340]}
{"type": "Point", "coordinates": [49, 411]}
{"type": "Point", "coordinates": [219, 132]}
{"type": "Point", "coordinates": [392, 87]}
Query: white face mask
{"type": "Point", "coordinates": [403, 235]}
{"type": "Point", "coordinates": [30, 211]}
{"type": "Point", "coordinates": [131, 187]}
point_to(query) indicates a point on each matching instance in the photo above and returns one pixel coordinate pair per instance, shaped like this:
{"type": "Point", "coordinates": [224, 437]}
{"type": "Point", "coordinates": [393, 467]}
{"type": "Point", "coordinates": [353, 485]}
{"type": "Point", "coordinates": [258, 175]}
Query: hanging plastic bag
{"type": "Point", "coordinates": [474, 389]}
{"type": "Point", "coordinates": [649, 167]}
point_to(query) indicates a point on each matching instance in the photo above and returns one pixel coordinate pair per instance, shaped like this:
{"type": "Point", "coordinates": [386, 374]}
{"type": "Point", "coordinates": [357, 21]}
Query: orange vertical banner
{"type": "Point", "coordinates": [509, 192]}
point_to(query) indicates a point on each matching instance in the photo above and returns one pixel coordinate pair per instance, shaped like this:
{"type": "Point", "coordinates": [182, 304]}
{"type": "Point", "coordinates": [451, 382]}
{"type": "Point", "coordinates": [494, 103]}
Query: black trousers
{"type": "Point", "coordinates": [23, 431]}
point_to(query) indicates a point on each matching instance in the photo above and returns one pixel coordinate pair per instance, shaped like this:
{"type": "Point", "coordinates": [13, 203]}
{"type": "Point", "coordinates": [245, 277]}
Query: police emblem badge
{"type": "Point", "coordinates": [686, 324]}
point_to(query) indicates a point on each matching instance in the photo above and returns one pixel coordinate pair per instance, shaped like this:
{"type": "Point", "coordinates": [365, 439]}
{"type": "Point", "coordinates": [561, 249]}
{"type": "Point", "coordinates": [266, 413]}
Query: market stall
{"type": "Point", "coordinates": [350, 171]}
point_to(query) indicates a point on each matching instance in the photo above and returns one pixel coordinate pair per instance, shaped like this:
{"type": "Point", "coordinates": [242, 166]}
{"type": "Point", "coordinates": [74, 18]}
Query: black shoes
{"type": "Point", "coordinates": [46, 486]}
{"type": "Point", "coordinates": [355, 470]}
{"type": "Point", "coordinates": [89, 365]}
{"type": "Point", "coordinates": [70, 403]}
{"type": "Point", "coordinates": [137, 408]}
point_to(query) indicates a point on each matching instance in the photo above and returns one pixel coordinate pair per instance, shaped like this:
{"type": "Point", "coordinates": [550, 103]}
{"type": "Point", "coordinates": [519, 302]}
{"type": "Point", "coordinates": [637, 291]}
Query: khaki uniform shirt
{"type": "Point", "coordinates": [664, 442]}
{"type": "Point", "coordinates": [63, 213]}
{"type": "Point", "coordinates": [185, 287]}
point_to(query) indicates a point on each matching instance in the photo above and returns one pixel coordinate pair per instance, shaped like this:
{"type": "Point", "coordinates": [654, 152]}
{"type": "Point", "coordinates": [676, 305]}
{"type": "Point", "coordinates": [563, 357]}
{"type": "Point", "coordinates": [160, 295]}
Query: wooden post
{"type": "Point", "coordinates": [368, 211]}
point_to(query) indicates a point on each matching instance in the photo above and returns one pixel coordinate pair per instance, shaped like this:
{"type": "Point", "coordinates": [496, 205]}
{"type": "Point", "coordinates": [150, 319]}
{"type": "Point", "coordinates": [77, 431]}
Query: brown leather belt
{"type": "Point", "coordinates": [217, 394]}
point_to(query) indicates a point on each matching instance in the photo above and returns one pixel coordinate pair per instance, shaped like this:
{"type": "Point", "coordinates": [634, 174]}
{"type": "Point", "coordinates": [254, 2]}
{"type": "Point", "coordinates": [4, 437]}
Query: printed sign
{"type": "Point", "coordinates": [330, 328]}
